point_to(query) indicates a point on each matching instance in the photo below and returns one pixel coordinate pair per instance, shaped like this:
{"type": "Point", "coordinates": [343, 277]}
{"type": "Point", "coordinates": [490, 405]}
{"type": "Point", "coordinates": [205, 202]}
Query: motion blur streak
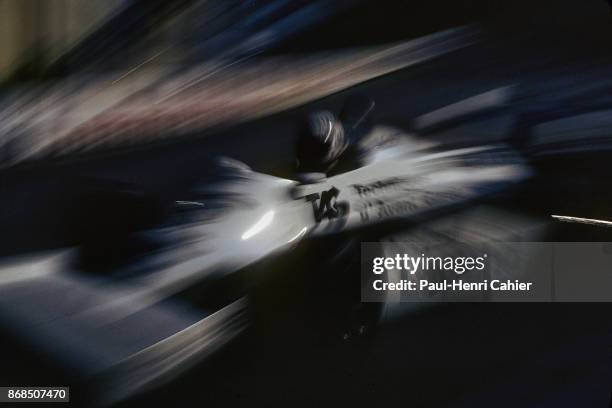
{"type": "Point", "coordinates": [582, 220]}
{"type": "Point", "coordinates": [259, 226]}
{"type": "Point", "coordinates": [164, 187]}
{"type": "Point", "coordinates": [85, 115]}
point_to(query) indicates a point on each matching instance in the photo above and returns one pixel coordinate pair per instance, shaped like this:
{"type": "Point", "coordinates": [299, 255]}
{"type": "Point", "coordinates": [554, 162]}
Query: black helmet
{"type": "Point", "coordinates": [321, 141]}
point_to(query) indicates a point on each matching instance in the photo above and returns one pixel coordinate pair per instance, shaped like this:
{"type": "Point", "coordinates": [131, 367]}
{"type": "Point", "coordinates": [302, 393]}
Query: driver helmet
{"type": "Point", "coordinates": [321, 141]}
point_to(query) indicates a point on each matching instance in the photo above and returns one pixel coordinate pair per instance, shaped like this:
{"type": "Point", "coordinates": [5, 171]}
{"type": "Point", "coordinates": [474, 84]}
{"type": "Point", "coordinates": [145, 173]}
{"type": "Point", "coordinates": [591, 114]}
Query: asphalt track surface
{"type": "Point", "coordinates": [457, 355]}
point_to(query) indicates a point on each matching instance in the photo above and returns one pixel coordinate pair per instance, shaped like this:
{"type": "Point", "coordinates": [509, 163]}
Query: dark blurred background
{"type": "Point", "coordinates": [148, 92]}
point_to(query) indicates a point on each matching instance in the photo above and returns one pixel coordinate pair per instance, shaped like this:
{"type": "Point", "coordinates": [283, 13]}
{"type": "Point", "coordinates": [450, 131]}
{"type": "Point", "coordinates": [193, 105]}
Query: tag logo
{"type": "Point", "coordinates": [326, 205]}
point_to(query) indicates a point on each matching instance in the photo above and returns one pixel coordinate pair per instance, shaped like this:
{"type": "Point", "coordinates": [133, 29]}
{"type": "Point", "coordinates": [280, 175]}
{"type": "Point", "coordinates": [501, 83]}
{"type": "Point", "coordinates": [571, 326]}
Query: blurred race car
{"type": "Point", "coordinates": [173, 294]}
